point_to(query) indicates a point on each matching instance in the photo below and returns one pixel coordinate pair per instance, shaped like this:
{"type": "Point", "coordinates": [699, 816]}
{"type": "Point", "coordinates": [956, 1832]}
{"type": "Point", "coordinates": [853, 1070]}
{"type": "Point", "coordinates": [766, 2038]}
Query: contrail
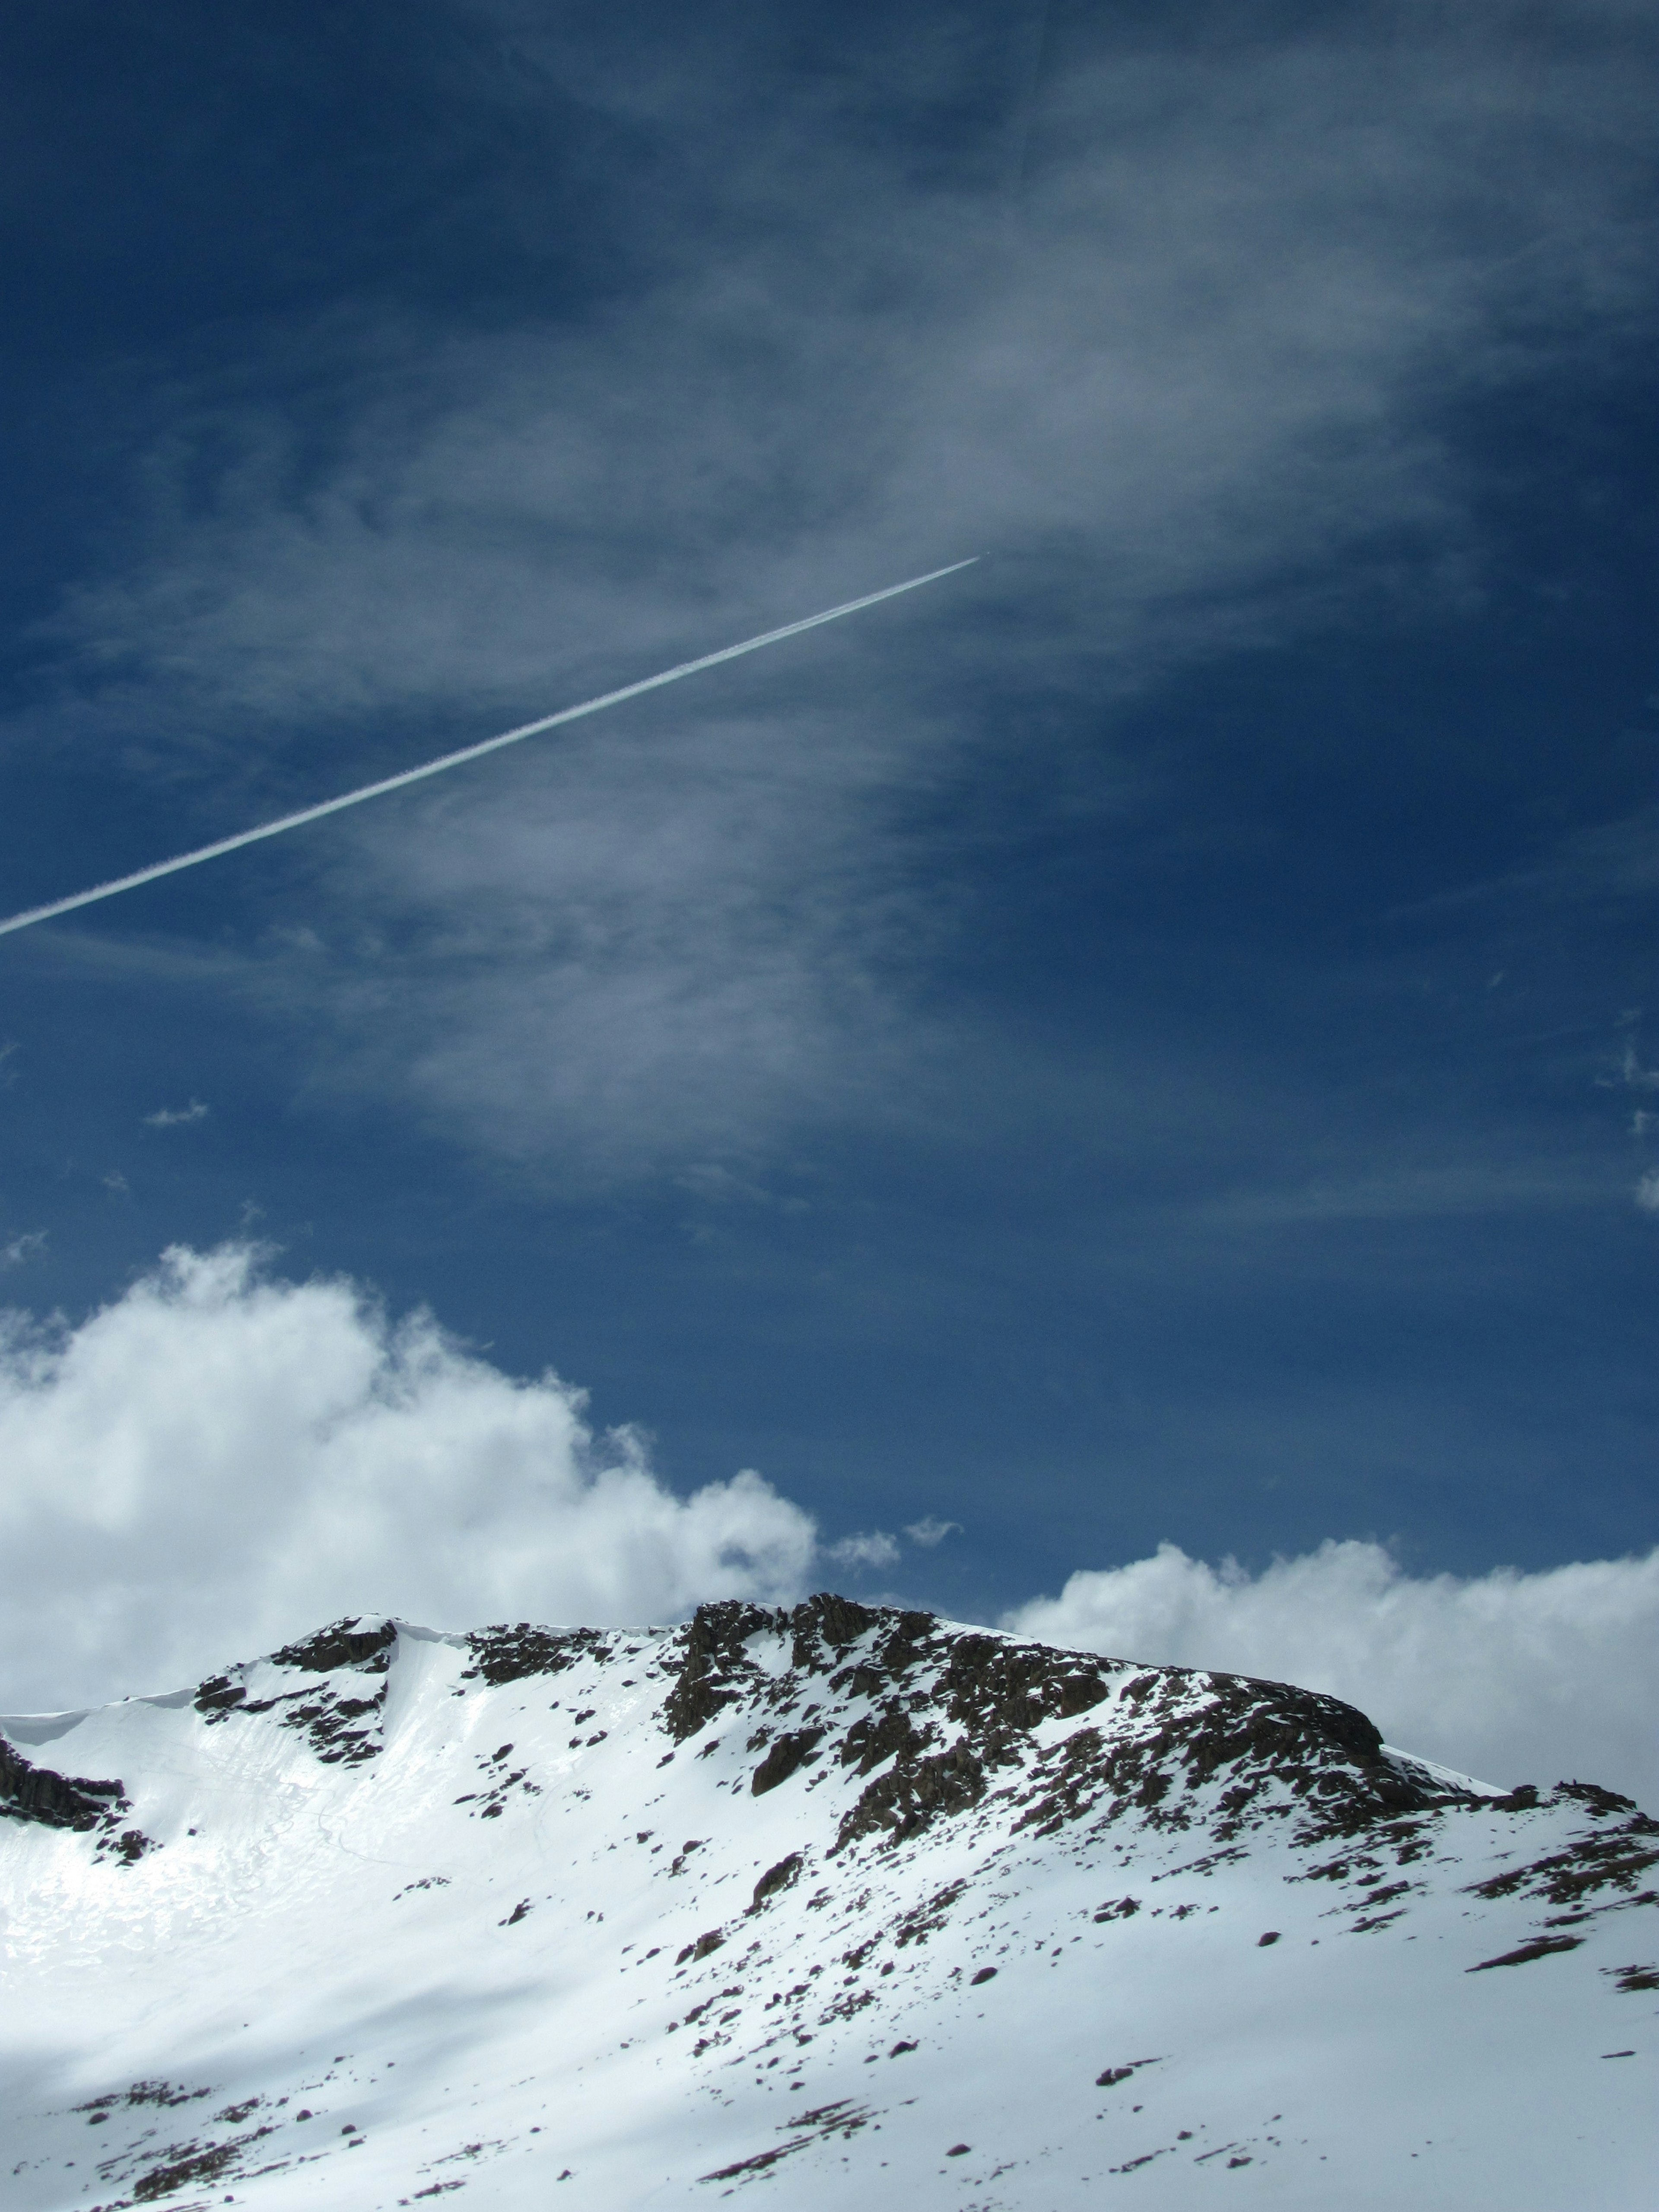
{"type": "Point", "coordinates": [468, 752]}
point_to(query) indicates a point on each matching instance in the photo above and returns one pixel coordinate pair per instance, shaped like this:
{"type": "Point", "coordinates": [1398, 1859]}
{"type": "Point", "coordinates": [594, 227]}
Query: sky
{"type": "Point", "coordinates": [1150, 1041]}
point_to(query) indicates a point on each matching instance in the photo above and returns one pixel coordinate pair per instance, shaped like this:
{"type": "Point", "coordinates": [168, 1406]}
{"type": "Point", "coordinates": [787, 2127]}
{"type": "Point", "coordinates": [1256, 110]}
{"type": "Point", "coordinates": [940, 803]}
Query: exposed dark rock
{"type": "Point", "coordinates": [190, 2164]}
{"type": "Point", "coordinates": [1272, 1745]}
{"type": "Point", "coordinates": [918, 1926]}
{"type": "Point", "coordinates": [889, 1733]}
{"type": "Point", "coordinates": [342, 1728]}
{"type": "Point", "coordinates": [348, 1642]}
{"type": "Point", "coordinates": [823, 1619]}
{"type": "Point", "coordinates": [28, 1792]}
{"type": "Point", "coordinates": [1114, 2075]}
{"type": "Point", "coordinates": [776, 1878]}
{"type": "Point", "coordinates": [901, 1802]}
{"type": "Point", "coordinates": [512, 1655]}
{"type": "Point", "coordinates": [998, 1691]}
{"type": "Point", "coordinates": [1540, 1947]}
{"type": "Point", "coordinates": [1606, 1859]}
{"type": "Point", "coordinates": [713, 1669]}
{"type": "Point", "coordinates": [218, 1695]}
{"type": "Point", "coordinates": [129, 1846]}
{"type": "Point", "coordinates": [787, 1756]}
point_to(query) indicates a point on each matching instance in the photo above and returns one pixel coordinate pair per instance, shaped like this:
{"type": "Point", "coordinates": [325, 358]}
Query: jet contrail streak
{"type": "Point", "coordinates": [468, 752]}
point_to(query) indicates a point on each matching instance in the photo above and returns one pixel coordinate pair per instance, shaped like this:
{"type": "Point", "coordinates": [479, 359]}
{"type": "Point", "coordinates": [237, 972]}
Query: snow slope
{"type": "Point", "coordinates": [838, 1907]}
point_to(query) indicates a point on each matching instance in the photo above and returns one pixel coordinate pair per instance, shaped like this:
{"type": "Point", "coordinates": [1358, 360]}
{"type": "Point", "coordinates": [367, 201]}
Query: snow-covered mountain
{"type": "Point", "coordinates": [841, 1906]}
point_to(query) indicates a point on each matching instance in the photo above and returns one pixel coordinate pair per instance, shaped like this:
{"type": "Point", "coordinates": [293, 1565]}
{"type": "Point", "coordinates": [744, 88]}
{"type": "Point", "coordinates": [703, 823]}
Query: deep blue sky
{"type": "Point", "coordinates": [1146, 1039]}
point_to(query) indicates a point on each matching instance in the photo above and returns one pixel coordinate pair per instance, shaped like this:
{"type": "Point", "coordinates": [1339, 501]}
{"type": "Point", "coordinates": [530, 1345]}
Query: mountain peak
{"type": "Point", "coordinates": [911, 1905]}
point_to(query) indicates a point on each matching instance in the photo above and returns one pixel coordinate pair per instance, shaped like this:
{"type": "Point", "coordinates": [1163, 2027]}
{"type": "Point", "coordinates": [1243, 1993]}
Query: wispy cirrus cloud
{"type": "Point", "coordinates": [175, 1117]}
{"type": "Point", "coordinates": [930, 1532]}
{"type": "Point", "coordinates": [1190, 380]}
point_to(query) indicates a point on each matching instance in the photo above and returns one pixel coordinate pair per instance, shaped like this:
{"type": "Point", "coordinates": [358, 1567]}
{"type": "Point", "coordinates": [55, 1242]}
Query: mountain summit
{"type": "Point", "coordinates": [838, 1905]}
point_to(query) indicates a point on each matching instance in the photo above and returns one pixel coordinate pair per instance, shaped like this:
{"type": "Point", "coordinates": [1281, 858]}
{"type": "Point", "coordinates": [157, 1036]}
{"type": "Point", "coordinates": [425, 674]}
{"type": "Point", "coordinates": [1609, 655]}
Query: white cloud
{"type": "Point", "coordinates": [1647, 1192]}
{"type": "Point", "coordinates": [116, 1183]}
{"type": "Point", "coordinates": [927, 1532]}
{"type": "Point", "coordinates": [322, 1459]}
{"type": "Point", "coordinates": [1512, 1677]}
{"type": "Point", "coordinates": [17, 1249]}
{"type": "Point", "coordinates": [174, 1117]}
{"type": "Point", "coordinates": [325, 1459]}
{"type": "Point", "coordinates": [874, 1548]}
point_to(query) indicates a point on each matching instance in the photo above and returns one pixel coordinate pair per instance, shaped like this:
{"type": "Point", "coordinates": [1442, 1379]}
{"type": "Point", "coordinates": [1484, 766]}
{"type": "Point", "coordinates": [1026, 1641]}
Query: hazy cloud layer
{"type": "Point", "coordinates": [215, 1462]}
{"type": "Point", "coordinates": [1510, 1677]}
{"type": "Point", "coordinates": [1168, 332]}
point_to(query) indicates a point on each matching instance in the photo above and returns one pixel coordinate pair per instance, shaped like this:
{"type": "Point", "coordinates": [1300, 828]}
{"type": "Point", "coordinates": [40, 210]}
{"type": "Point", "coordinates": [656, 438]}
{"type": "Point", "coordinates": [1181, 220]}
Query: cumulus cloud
{"type": "Point", "coordinates": [1512, 1677]}
{"type": "Point", "coordinates": [218, 1461]}
{"type": "Point", "coordinates": [17, 1249]}
{"type": "Point", "coordinates": [930, 1531]}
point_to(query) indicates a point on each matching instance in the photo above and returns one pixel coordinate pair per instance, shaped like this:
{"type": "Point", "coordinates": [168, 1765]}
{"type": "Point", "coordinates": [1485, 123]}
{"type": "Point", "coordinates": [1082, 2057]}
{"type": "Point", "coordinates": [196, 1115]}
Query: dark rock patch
{"type": "Point", "coordinates": [192, 2163]}
{"type": "Point", "coordinates": [1114, 2075]}
{"type": "Point", "coordinates": [28, 1792]}
{"type": "Point", "coordinates": [713, 1670]}
{"type": "Point", "coordinates": [787, 1756]}
{"type": "Point", "coordinates": [502, 1653]}
{"type": "Point", "coordinates": [342, 1728]}
{"type": "Point", "coordinates": [346, 1643]}
{"type": "Point", "coordinates": [776, 1879]}
{"type": "Point", "coordinates": [917, 1927]}
{"type": "Point", "coordinates": [1540, 1947]}
{"type": "Point", "coordinates": [826, 1619]}
{"type": "Point", "coordinates": [913, 1792]}
{"type": "Point", "coordinates": [1598, 1860]}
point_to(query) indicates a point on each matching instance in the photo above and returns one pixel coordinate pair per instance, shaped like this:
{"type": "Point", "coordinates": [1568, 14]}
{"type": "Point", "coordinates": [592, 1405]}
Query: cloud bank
{"type": "Point", "coordinates": [219, 1461]}
{"type": "Point", "coordinates": [215, 1462]}
{"type": "Point", "coordinates": [1512, 1677]}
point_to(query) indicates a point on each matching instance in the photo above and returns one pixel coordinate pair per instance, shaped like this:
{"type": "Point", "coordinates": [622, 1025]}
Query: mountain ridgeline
{"type": "Point", "coordinates": [836, 1891]}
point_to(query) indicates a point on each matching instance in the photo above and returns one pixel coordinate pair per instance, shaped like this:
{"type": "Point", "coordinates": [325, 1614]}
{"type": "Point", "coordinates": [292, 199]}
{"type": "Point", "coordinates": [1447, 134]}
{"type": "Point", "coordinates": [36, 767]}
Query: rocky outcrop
{"type": "Point", "coordinates": [28, 1792]}
{"type": "Point", "coordinates": [933, 1715]}
{"type": "Point", "coordinates": [342, 1723]}
{"type": "Point", "coordinates": [513, 1654]}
